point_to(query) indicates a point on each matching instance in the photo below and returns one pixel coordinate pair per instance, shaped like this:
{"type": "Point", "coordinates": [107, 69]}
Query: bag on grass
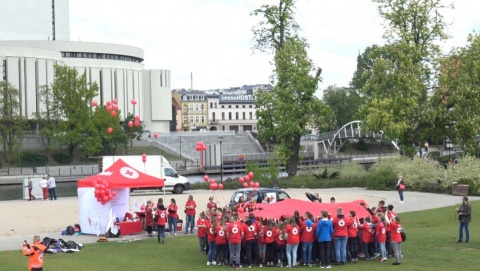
{"type": "Point", "coordinates": [404, 236]}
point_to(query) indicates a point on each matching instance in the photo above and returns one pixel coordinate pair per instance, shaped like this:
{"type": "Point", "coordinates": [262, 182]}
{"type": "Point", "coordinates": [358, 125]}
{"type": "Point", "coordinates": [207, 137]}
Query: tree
{"type": "Point", "coordinates": [103, 120]}
{"type": "Point", "coordinates": [12, 123]}
{"type": "Point", "coordinates": [397, 86]}
{"type": "Point", "coordinates": [344, 103]}
{"type": "Point", "coordinates": [72, 96]}
{"type": "Point", "coordinates": [134, 132]}
{"type": "Point", "coordinates": [47, 119]}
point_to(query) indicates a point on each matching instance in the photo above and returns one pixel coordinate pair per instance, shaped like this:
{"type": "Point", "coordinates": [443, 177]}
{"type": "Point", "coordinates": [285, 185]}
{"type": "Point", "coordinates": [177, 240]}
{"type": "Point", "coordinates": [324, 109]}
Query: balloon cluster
{"type": "Point", "coordinates": [144, 158]}
{"type": "Point", "coordinates": [103, 193]}
{"type": "Point", "coordinates": [213, 183]}
{"type": "Point", "coordinates": [112, 108]}
{"type": "Point", "coordinates": [135, 122]}
{"type": "Point", "coordinates": [247, 181]}
{"type": "Point", "coordinates": [200, 146]}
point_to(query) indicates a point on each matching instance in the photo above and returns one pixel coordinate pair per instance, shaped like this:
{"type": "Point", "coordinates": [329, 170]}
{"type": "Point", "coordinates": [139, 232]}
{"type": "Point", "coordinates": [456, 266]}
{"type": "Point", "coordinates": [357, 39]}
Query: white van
{"type": "Point", "coordinates": [157, 166]}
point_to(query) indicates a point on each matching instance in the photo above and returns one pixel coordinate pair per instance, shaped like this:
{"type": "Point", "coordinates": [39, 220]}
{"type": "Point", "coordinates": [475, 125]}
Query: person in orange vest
{"type": "Point", "coordinates": [34, 253]}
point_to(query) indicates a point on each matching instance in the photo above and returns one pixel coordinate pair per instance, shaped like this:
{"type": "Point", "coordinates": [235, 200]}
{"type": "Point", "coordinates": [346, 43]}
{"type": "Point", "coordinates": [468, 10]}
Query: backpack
{"type": "Point", "coordinates": [72, 245]}
{"type": "Point", "coordinates": [70, 230]}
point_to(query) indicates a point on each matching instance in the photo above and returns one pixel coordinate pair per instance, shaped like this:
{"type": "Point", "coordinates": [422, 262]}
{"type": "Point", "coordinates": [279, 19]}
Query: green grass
{"type": "Point", "coordinates": [431, 245]}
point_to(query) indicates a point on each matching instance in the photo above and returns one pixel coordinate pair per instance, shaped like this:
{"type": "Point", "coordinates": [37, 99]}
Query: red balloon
{"type": "Point", "coordinates": [137, 123]}
{"type": "Point", "coordinates": [144, 155]}
{"type": "Point", "coordinates": [98, 199]}
{"type": "Point", "coordinates": [109, 108]}
{"type": "Point", "coordinates": [110, 130]}
{"type": "Point", "coordinates": [213, 186]}
{"type": "Point", "coordinates": [144, 160]}
{"type": "Point", "coordinates": [252, 184]}
{"type": "Point", "coordinates": [108, 103]}
{"type": "Point", "coordinates": [115, 101]}
{"type": "Point", "coordinates": [113, 113]}
{"type": "Point", "coordinates": [205, 178]}
{"type": "Point", "coordinates": [114, 193]}
{"type": "Point", "coordinates": [142, 207]}
{"type": "Point", "coordinates": [155, 135]}
{"type": "Point", "coordinates": [115, 107]}
{"type": "Point", "coordinates": [130, 124]}
{"type": "Point", "coordinates": [134, 102]}
{"type": "Point", "coordinates": [257, 184]}
{"type": "Point", "coordinates": [94, 103]}
{"type": "Point", "coordinates": [220, 186]}
{"type": "Point", "coordinates": [247, 178]}
{"type": "Point", "coordinates": [250, 174]}
{"type": "Point", "coordinates": [212, 181]}
{"type": "Point", "coordinates": [97, 186]}
{"type": "Point", "coordinates": [240, 210]}
{"type": "Point", "coordinates": [137, 117]}
{"type": "Point", "coordinates": [245, 185]}
{"type": "Point", "coordinates": [241, 179]}
{"type": "Point", "coordinates": [105, 198]}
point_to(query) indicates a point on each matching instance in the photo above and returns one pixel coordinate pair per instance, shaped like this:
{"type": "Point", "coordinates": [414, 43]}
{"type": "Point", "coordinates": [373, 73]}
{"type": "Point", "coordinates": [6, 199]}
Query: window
{"type": "Point", "coordinates": [191, 107]}
{"type": "Point", "coordinates": [243, 115]}
{"type": "Point", "coordinates": [191, 120]}
{"type": "Point", "coordinates": [203, 119]}
{"type": "Point", "coordinates": [229, 115]}
{"type": "Point", "coordinates": [197, 119]}
{"type": "Point", "coordinates": [236, 115]}
{"type": "Point", "coordinates": [196, 107]}
{"type": "Point", "coordinates": [184, 120]}
{"type": "Point", "coordinates": [250, 115]}
{"type": "Point", "coordinates": [236, 106]}
{"type": "Point", "coordinates": [223, 115]}
{"type": "Point", "coordinates": [213, 116]}
{"type": "Point", "coordinates": [223, 106]}
{"type": "Point", "coordinates": [229, 106]}
{"type": "Point", "coordinates": [211, 105]}
{"type": "Point", "coordinates": [243, 106]}
{"type": "Point", "coordinates": [185, 109]}
{"type": "Point", "coordinates": [250, 106]}
{"type": "Point", "coordinates": [169, 172]}
{"type": "Point", "coordinates": [216, 105]}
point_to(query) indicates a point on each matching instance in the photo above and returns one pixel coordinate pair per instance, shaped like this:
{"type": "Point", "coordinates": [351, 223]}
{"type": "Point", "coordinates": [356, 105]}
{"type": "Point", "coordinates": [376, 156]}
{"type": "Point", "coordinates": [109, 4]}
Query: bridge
{"type": "Point", "coordinates": [330, 143]}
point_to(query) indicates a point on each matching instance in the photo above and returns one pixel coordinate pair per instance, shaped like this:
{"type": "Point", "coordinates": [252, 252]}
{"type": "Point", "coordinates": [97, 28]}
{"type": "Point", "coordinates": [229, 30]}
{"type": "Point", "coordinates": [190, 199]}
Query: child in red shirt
{"type": "Point", "coordinates": [221, 243]}
{"type": "Point", "coordinates": [161, 221]}
{"type": "Point", "coordinates": [269, 231]}
{"type": "Point", "coordinates": [281, 242]}
{"type": "Point", "coordinates": [367, 237]}
{"type": "Point", "coordinates": [381, 234]}
{"type": "Point", "coordinates": [202, 231]}
{"type": "Point", "coordinates": [293, 239]}
{"type": "Point", "coordinates": [212, 246]}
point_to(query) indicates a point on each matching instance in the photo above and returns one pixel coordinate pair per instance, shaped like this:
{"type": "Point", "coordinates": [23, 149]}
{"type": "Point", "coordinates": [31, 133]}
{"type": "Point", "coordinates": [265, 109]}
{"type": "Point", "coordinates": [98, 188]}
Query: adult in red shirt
{"type": "Point", "coordinates": [293, 239]}
{"type": "Point", "coordinates": [161, 222]}
{"type": "Point", "coordinates": [396, 229]}
{"type": "Point", "coordinates": [269, 232]}
{"type": "Point", "coordinates": [172, 217]}
{"type": "Point", "coordinates": [340, 236]}
{"type": "Point", "coordinates": [190, 214]}
{"type": "Point", "coordinates": [34, 253]}
{"type": "Point", "coordinates": [221, 243]}
{"type": "Point", "coordinates": [251, 228]}
{"type": "Point", "coordinates": [149, 209]}
{"type": "Point", "coordinates": [211, 205]}
{"type": "Point", "coordinates": [353, 236]}
{"type": "Point", "coordinates": [202, 231]}
{"type": "Point", "coordinates": [381, 235]}
{"type": "Point", "coordinates": [390, 214]}
{"type": "Point", "coordinates": [234, 236]}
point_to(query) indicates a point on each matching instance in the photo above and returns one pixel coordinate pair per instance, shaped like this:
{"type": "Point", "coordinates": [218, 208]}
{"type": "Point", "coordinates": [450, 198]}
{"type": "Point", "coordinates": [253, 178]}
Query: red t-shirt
{"type": "Point", "coordinates": [367, 233]}
{"type": "Point", "coordinates": [234, 231]}
{"type": "Point", "coordinates": [190, 203]}
{"type": "Point", "coordinates": [172, 210]}
{"type": "Point", "coordinates": [162, 217]}
{"type": "Point", "coordinates": [221, 238]}
{"type": "Point", "coordinates": [396, 230]}
{"type": "Point", "coordinates": [211, 234]}
{"type": "Point", "coordinates": [250, 231]}
{"type": "Point", "coordinates": [293, 234]}
{"type": "Point", "coordinates": [308, 233]}
{"type": "Point", "coordinates": [202, 227]}
{"type": "Point", "coordinates": [381, 233]}
{"type": "Point", "coordinates": [278, 238]}
{"type": "Point", "coordinates": [391, 215]}
{"type": "Point", "coordinates": [352, 227]}
{"type": "Point", "coordinates": [270, 235]}
{"type": "Point", "coordinates": [211, 205]}
{"type": "Point", "coordinates": [261, 234]}
{"type": "Point", "coordinates": [340, 228]}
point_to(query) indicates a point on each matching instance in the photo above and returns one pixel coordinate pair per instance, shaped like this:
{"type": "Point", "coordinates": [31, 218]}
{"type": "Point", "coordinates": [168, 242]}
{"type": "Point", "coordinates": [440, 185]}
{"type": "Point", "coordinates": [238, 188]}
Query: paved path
{"type": "Point", "coordinates": [414, 201]}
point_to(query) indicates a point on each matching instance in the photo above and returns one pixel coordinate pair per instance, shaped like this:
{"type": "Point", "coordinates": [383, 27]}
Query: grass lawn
{"type": "Point", "coordinates": [431, 245]}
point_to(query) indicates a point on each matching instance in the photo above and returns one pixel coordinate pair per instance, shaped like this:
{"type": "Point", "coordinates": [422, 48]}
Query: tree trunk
{"type": "Point", "coordinates": [70, 151]}
{"type": "Point", "coordinates": [292, 161]}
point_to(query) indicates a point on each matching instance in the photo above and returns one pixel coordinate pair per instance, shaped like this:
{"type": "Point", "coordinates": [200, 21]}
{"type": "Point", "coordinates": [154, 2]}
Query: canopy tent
{"type": "Point", "coordinates": [288, 206]}
{"type": "Point", "coordinates": [94, 216]}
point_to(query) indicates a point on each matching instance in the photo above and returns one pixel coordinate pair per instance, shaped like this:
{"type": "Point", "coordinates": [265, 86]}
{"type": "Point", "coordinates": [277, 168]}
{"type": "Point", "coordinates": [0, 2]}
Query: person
{"type": "Point", "coordinates": [159, 201]}
{"type": "Point", "coordinates": [333, 200]}
{"type": "Point", "coordinates": [251, 229]}
{"type": "Point", "coordinates": [161, 221]}
{"type": "Point", "coordinates": [293, 239]}
{"type": "Point", "coordinates": [202, 232]}
{"type": "Point", "coordinates": [234, 236]}
{"type": "Point", "coordinates": [340, 236]}
{"type": "Point", "coordinates": [44, 186]}
{"type": "Point", "coordinates": [306, 238]}
{"type": "Point", "coordinates": [353, 237]}
{"type": "Point", "coordinates": [367, 238]}
{"type": "Point", "coordinates": [391, 214]}
{"type": "Point", "coordinates": [51, 188]}
{"type": "Point", "coordinates": [190, 213]}
{"type": "Point", "coordinates": [397, 229]}
{"type": "Point", "coordinates": [464, 217]}
{"type": "Point", "coordinates": [400, 187]}
{"type": "Point", "coordinates": [34, 253]}
{"type": "Point", "coordinates": [30, 188]}
{"type": "Point", "coordinates": [172, 217]}
{"type": "Point", "coordinates": [211, 205]}
{"type": "Point", "coordinates": [221, 243]}
{"type": "Point", "coordinates": [211, 237]}
{"type": "Point", "coordinates": [270, 242]}
{"type": "Point", "coordinates": [380, 234]}
{"type": "Point", "coordinates": [324, 234]}
{"type": "Point", "coordinates": [313, 197]}
{"type": "Point", "coordinates": [426, 146]}
{"type": "Point", "coordinates": [280, 242]}
{"type": "Point", "coordinates": [149, 209]}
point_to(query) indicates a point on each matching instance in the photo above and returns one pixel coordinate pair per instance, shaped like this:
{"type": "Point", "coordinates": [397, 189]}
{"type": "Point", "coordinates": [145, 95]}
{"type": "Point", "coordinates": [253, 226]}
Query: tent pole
{"type": "Point", "coordinates": [161, 172]}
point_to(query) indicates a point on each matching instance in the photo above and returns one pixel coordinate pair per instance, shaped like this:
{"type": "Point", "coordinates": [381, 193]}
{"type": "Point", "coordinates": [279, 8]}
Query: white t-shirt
{"type": "Point", "coordinates": [51, 183]}
{"type": "Point", "coordinates": [43, 183]}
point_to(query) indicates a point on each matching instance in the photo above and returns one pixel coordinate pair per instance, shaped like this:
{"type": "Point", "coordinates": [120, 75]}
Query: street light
{"type": "Point", "coordinates": [221, 160]}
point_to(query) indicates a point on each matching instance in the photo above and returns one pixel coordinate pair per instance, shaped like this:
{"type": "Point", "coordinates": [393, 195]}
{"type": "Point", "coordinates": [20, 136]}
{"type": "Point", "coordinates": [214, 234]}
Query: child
{"type": "Point", "coordinates": [211, 236]}
{"type": "Point", "coordinates": [270, 242]}
{"type": "Point", "coordinates": [202, 231]}
{"type": "Point", "coordinates": [161, 221]}
{"type": "Point", "coordinates": [221, 243]}
{"type": "Point", "coordinates": [381, 235]}
{"type": "Point", "coordinates": [367, 237]}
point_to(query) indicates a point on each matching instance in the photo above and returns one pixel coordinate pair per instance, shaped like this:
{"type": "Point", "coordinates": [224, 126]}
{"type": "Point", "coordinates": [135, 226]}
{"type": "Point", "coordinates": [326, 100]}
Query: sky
{"type": "Point", "coordinates": [212, 39]}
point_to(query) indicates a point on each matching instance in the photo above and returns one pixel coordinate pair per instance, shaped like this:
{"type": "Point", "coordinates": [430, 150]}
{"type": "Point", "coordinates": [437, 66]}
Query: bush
{"type": "Point", "coordinates": [61, 158]}
{"type": "Point", "coordinates": [382, 177]}
{"type": "Point", "coordinates": [30, 159]}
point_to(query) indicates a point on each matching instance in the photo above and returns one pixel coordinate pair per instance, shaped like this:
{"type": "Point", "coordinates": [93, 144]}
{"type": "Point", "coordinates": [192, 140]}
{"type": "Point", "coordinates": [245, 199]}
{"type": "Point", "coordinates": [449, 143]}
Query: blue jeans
{"type": "Point", "coordinates": [400, 193]}
{"type": "Point", "coordinates": [383, 250]}
{"type": "Point", "coordinates": [341, 249]}
{"type": "Point", "coordinates": [172, 224]}
{"type": "Point", "coordinates": [203, 242]}
{"type": "Point", "coordinates": [52, 193]}
{"type": "Point", "coordinates": [292, 254]}
{"type": "Point", "coordinates": [160, 232]}
{"type": "Point", "coordinates": [460, 232]}
{"type": "Point", "coordinates": [212, 252]}
{"type": "Point", "coordinates": [235, 254]}
{"type": "Point", "coordinates": [307, 252]}
{"type": "Point", "coordinates": [191, 222]}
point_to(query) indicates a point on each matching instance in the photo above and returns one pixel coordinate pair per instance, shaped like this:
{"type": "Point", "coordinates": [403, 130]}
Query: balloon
{"type": "Point", "coordinates": [130, 124]}
{"type": "Point", "coordinates": [98, 199]}
{"type": "Point", "coordinates": [247, 178]}
{"type": "Point", "coordinates": [213, 186]}
{"type": "Point", "coordinates": [155, 135]}
{"type": "Point", "coordinates": [115, 101]}
{"type": "Point", "coordinates": [144, 160]}
{"type": "Point", "coordinates": [109, 108]}
{"type": "Point", "coordinates": [94, 103]}
{"type": "Point", "coordinates": [220, 186]}
{"type": "Point", "coordinates": [241, 179]}
{"type": "Point", "coordinates": [144, 155]}
{"type": "Point", "coordinates": [212, 180]}
{"type": "Point", "coordinates": [113, 113]}
{"type": "Point", "coordinates": [97, 186]}
{"type": "Point", "coordinates": [252, 184]}
{"type": "Point", "coordinates": [110, 130]}
{"type": "Point", "coordinates": [142, 207]}
{"type": "Point", "coordinates": [115, 107]}
{"type": "Point", "coordinates": [137, 123]}
{"type": "Point", "coordinates": [108, 103]}
{"type": "Point", "coordinates": [134, 102]}
{"type": "Point", "coordinates": [240, 210]}
{"type": "Point", "coordinates": [205, 178]}
{"type": "Point", "coordinates": [245, 185]}
{"type": "Point", "coordinates": [110, 196]}
{"type": "Point", "coordinates": [137, 118]}
{"type": "Point", "coordinates": [250, 174]}
{"type": "Point", "coordinates": [257, 184]}
{"type": "Point", "coordinates": [114, 193]}
{"type": "Point", "coordinates": [105, 198]}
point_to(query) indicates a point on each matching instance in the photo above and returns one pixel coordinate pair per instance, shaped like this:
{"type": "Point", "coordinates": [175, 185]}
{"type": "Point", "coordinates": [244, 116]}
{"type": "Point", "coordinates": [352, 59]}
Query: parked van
{"type": "Point", "coordinates": [157, 166]}
{"type": "Point", "coordinates": [274, 195]}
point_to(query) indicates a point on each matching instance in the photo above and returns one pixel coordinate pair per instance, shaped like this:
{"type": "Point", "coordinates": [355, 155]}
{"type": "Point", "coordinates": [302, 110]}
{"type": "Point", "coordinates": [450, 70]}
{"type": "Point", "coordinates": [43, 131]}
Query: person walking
{"type": "Point", "coordinates": [30, 188]}
{"type": "Point", "coordinates": [172, 217]}
{"type": "Point", "coordinates": [190, 214]}
{"type": "Point", "coordinates": [400, 187]}
{"type": "Point", "coordinates": [34, 253]}
{"type": "Point", "coordinates": [52, 187]}
{"type": "Point", "coordinates": [464, 217]}
{"type": "Point", "coordinates": [44, 186]}
{"type": "Point", "coordinates": [161, 221]}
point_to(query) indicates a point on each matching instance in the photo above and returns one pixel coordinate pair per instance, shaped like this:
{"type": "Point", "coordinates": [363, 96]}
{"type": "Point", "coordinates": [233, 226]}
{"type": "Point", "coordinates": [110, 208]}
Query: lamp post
{"type": "Point", "coordinates": [221, 160]}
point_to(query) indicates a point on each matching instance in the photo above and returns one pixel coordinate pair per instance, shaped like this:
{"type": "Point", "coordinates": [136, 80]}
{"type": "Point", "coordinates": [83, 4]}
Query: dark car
{"type": "Point", "coordinates": [274, 194]}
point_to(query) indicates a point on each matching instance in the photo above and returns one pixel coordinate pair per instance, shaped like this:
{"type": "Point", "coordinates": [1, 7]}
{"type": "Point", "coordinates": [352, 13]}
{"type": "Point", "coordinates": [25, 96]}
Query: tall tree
{"type": "Point", "coordinates": [12, 123]}
{"type": "Point", "coordinates": [72, 95]}
{"type": "Point", "coordinates": [344, 103]}
{"type": "Point", "coordinates": [397, 86]}
{"type": "Point", "coordinates": [46, 119]}
{"type": "Point", "coordinates": [285, 111]}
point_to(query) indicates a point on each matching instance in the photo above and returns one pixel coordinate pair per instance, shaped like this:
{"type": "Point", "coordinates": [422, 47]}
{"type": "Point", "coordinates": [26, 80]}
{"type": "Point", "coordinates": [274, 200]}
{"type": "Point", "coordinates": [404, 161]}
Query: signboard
{"type": "Point", "coordinates": [237, 99]}
{"type": "Point", "coordinates": [241, 158]}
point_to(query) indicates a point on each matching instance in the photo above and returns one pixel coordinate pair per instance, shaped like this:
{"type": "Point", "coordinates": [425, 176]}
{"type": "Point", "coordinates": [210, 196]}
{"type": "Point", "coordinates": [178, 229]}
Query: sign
{"type": "Point", "coordinates": [241, 158]}
{"type": "Point", "coordinates": [237, 98]}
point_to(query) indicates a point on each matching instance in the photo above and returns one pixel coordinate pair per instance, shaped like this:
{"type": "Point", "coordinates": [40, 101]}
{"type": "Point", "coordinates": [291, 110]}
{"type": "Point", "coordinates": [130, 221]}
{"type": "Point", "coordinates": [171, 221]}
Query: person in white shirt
{"type": "Point", "coordinates": [51, 188]}
{"type": "Point", "coordinates": [44, 186]}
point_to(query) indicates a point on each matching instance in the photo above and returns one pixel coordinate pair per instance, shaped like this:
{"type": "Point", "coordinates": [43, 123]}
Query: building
{"type": "Point", "coordinates": [194, 109]}
{"type": "Point", "coordinates": [232, 112]}
{"type": "Point", "coordinates": [28, 64]}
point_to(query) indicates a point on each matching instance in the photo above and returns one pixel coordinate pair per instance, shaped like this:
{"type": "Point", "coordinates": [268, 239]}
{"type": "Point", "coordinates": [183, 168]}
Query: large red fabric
{"type": "Point", "coordinates": [121, 175]}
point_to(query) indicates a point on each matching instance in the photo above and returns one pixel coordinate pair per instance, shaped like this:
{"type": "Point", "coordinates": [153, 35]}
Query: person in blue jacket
{"type": "Point", "coordinates": [324, 236]}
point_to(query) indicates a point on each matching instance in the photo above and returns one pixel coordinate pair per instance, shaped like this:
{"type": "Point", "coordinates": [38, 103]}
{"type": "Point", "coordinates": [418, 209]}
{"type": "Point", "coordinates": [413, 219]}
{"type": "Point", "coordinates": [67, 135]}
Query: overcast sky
{"type": "Point", "coordinates": [212, 38]}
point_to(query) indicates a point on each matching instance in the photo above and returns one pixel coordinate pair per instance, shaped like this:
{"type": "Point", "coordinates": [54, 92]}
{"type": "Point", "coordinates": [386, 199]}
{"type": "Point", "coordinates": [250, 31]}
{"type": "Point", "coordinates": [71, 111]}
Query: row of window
{"type": "Point", "coordinates": [230, 117]}
{"type": "Point", "coordinates": [101, 56]}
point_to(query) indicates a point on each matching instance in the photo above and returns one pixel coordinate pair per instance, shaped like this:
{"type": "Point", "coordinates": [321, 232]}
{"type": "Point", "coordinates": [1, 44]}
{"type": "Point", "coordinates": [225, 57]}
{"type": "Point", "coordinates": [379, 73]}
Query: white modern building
{"type": "Point", "coordinates": [232, 112]}
{"type": "Point", "coordinates": [118, 70]}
